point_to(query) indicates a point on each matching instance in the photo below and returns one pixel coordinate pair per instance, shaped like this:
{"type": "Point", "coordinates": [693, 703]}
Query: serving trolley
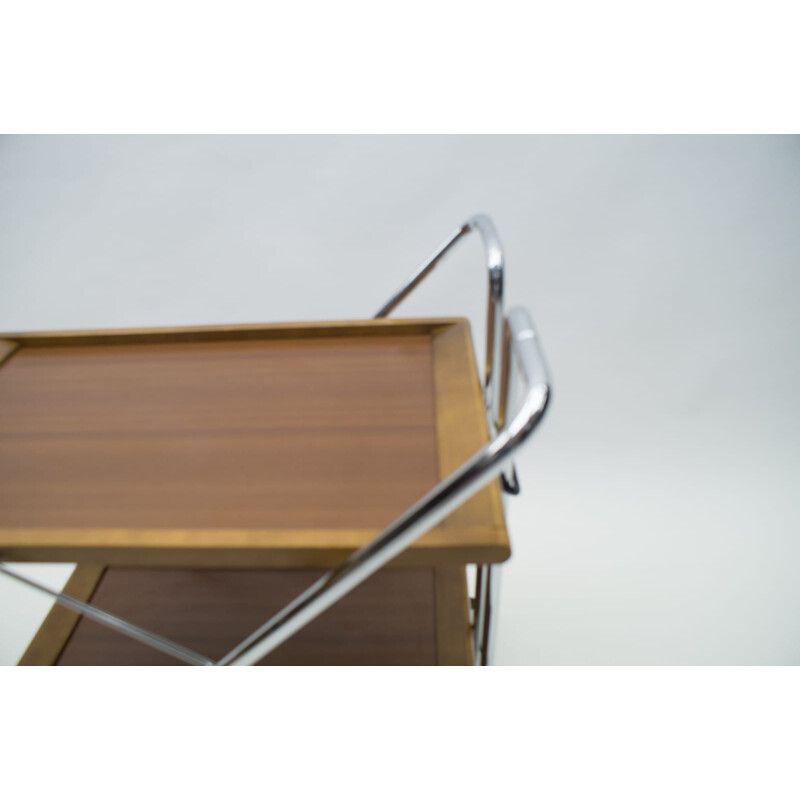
{"type": "Point", "coordinates": [306, 493]}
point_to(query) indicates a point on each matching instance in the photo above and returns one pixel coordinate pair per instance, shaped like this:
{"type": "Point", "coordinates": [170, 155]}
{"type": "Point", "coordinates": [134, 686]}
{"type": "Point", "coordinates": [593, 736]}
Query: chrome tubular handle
{"type": "Point", "coordinates": [495, 263]}
{"type": "Point", "coordinates": [473, 475]}
{"type": "Point", "coordinates": [512, 353]}
{"type": "Point", "coordinates": [521, 343]}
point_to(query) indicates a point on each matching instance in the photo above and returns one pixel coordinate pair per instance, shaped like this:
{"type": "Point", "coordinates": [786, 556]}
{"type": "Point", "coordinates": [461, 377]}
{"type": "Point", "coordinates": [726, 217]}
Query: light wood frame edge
{"type": "Point", "coordinates": [199, 333]}
{"type": "Point", "coordinates": [7, 348]}
{"type": "Point", "coordinates": [458, 396]}
{"type": "Point", "coordinates": [459, 401]}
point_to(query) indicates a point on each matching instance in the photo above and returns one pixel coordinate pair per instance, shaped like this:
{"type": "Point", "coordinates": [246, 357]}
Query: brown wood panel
{"type": "Point", "coordinates": [49, 641]}
{"type": "Point", "coordinates": [335, 433]}
{"type": "Point", "coordinates": [389, 619]}
{"type": "Point", "coordinates": [287, 445]}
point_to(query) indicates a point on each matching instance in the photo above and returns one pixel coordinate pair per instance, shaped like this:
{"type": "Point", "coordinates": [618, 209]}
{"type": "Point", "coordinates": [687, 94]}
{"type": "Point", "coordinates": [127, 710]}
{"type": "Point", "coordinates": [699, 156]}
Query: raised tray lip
{"type": "Point", "coordinates": [451, 542]}
{"type": "Point", "coordinates": [222, 332]}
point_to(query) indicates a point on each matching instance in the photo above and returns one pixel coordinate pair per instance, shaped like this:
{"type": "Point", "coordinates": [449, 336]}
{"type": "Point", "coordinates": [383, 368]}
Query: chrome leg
{"type": "Point", "coordinates": [487, 596]}
{"type": "Point", "coordinates": [495, 571]}
{"type": "Point", "coordinates": [480, 612]}
{"type": "Point", "coordinates": [495, 265]}
{"type": "Point", "coordinates": [475, 473]}
{"type": "Point", "coordinates": [512, 337]}
{"type": "Point", "coordinates": [501, 385]}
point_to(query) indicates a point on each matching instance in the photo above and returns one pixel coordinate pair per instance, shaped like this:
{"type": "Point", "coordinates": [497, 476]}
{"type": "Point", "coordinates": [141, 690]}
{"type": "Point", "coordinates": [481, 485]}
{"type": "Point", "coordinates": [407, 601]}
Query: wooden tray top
{"type": "Point", "coordinates": [274, 445]}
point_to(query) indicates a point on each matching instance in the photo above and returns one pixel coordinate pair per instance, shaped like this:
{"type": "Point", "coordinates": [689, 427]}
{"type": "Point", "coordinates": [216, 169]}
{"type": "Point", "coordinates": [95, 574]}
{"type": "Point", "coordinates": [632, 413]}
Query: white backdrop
{"type": "Point", "coordinates": [659, 518]}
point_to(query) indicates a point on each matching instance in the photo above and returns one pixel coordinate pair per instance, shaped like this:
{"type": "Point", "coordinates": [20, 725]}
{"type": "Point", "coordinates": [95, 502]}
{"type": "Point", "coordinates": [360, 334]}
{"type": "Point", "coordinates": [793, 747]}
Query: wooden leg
{"type": "Point", "coordinates": [453, 634]}
{"type": "Point", "coordinates": [53, 635]}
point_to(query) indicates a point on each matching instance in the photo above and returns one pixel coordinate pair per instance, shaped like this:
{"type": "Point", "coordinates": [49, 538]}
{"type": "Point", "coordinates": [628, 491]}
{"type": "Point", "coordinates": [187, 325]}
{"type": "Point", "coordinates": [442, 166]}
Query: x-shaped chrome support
{"type": "Point", "coordinates": [512, 353]}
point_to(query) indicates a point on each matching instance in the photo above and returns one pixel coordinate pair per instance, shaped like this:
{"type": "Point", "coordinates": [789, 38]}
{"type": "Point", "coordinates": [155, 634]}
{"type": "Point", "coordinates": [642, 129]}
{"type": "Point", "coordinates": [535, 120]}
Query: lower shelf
{"type": "Point", "coordinates": [400, 616]}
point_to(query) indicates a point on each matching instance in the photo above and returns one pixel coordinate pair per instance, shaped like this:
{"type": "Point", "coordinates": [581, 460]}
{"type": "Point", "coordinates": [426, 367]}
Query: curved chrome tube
{"type": "Point", "coordinates": [521, 342]}
{"type": "Point", "coordinates": [517, 340]}
{"type": "Point", "coordinates": [472, 476]}
{"type": "Point", "coordinates": [493, 390]}
{"type": "Point", "coordinates": [495, 263]}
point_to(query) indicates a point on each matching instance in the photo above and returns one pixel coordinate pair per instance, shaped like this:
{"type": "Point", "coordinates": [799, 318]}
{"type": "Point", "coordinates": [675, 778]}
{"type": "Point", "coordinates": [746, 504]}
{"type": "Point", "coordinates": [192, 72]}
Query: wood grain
{"type": "Point", "coordinates": [389, 619]}
{"type": "Point", "coordinates": [287, 445]}
{"type": "Point", "coordinates": [221, 447]}
{"type": "Point", "coordinates": [336, 433]}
